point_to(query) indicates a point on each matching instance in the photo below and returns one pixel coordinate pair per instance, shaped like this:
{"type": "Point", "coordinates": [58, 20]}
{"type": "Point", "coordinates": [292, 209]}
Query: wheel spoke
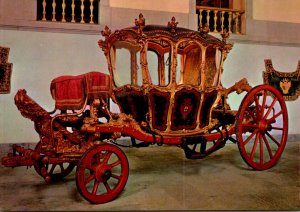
{"type": "Point", "coordinates": [270, 108]}
{"type": "Point", "coordinates": [250, 125]}
{"type": "Point", "coordinates": [252, 114]}
{"type": "Point", "coordinates": [52, 169]}
{"type": "Point", "coordinates": [273, 139]}
{"type": "Point", "coordinates": [194, 147]}
{"type": "Point", "coordinates": [264, 102]}
{"type": "Point", "coordinates": [115, 163]}
{"type": "Point", "coordinates": [116, 176]}
{"type": "Point", "coordinates": [95, 188]}
{"type": "Point", "coordinates": [61, 167]}
{"type": "Point", "coordinates": [254, 147]}
{"type": "Point", "coordinates": [250, 137]}
{"type": "Point", "coordinates": [275, 116]}
{"type": "Point", "coordinates": [89, 179]}
{"type": "Point", "coordinates": [277, 128]}
{"type": "Point", "coordinates": [261, 159]}
{"type": "Point", "coordinates": [268, 146]}
{"type": "Point", "coordinates": [106, 157]}
{"type": "Point", "coordinates": [108, 189]}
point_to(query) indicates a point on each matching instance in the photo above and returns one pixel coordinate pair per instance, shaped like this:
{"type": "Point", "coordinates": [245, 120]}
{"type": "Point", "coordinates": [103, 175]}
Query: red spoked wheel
{"type": "Point", "coordinates": [55, 171]}
{"type": "Point", "coordinates": [262, 127]}
{"type": "Point", "coordinates": [102, 173]}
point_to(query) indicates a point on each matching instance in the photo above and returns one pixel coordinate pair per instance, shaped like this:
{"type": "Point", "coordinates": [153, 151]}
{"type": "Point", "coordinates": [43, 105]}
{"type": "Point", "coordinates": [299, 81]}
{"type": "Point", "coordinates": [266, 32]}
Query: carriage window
{"type": "Point", "coordinates": [152, 59]}
{"type": "Point", "coordinates": [159, 64]}
{"type": "Point", "coordinates": [189, 63]}
{"type": "Point", "coordinates": [125, 60]}
{"type": "Point", "coordinates": [210, 66]}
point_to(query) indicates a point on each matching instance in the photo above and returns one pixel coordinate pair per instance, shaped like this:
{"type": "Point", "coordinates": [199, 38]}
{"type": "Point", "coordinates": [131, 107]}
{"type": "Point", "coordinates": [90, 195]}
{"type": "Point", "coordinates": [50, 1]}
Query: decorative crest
{"type": "Point", "coordinates": [140, 22]}
{"type": "Point", "coordinates": [173, 24]}
{"type": "Point", "coordinates": [225, 34]}
{"type": "Point", "coordinates": [204, 30]}
{"type": "Point", "coordinates": [106, 32]}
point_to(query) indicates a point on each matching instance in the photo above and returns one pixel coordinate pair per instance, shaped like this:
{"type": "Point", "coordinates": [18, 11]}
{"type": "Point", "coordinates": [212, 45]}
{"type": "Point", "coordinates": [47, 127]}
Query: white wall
{"type": "Point", "coordinates": [37, 58]}
{"type": "Point", "coordinates": [247, 61]}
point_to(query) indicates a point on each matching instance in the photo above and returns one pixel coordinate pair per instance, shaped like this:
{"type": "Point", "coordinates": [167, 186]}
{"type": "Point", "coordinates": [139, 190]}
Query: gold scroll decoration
{"type": "Point", "coordinates": [288, 83]}
{"type": "Point", "coordinates": [5, 70]}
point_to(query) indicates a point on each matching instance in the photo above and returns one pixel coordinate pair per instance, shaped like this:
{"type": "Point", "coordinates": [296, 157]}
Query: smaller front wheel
{"type": "Point", "coordinates": [102, 173]}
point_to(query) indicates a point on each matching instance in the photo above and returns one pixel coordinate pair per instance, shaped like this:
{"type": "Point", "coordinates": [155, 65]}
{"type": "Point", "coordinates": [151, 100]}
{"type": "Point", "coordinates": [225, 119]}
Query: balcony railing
{"type": "Point", "coordinates": [219, 19]}
{"type": "Point", "coordinates": [73, 11]}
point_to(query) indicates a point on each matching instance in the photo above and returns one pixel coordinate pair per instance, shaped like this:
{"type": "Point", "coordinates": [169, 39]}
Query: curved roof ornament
{"type": "Point", "coordinates": [204, 30]}
{"type": "Point", "coordinates": [225, 34]}
{"type": "Point", "coordinates": [173, 24]}
{"type": "Point", "coordinates": [140, 23]}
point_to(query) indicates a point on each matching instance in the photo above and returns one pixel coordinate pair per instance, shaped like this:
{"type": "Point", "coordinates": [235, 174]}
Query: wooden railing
{"type": "Point", "coordinates": [73, 11]}
{"type": "Point", "coordinates": [219, 19]}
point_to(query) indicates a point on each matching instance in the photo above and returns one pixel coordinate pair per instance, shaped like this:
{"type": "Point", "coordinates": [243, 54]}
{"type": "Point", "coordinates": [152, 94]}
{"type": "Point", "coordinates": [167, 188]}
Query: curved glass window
{"type": "Point", "coordinates": [159, 64]}
{"type": "Point", "coordinates": [189, 61]}
{"type": "Point", "coordinates": [125, 61]}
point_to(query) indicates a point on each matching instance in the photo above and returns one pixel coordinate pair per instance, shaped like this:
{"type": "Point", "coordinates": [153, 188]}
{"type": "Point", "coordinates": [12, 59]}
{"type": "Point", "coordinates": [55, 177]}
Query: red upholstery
{"type": "Point", "coordinates": [97, 84]}
{"type": "Point", "coordinates": [70, 92]}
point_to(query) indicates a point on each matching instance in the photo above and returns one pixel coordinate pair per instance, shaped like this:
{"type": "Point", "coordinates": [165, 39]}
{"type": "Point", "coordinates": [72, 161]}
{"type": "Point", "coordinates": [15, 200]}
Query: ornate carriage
{"type": "Point", "coordinates": [166, 82]}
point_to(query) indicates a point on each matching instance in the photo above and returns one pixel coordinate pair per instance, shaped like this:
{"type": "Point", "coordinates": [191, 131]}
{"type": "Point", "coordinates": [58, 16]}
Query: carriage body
{"type": "Point", "coordinates": [169, 78]}
{"type": "Point", "coordinates": [166, 81]}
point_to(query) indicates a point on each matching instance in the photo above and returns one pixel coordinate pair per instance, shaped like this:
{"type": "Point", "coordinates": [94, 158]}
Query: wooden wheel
{"type": "Point", "coordinates": [55, 171]}
{"type": "Point", "coordinates": [262, 127]}
{"type": "Point", "coordinates": [197, 150]}
{"type": "Point", "coordinates": [102, 173]}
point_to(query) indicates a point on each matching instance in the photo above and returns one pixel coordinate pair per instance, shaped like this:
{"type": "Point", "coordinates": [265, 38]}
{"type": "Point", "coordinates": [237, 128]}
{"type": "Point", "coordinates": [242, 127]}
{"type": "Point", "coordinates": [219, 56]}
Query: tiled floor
{"type": "Point", "coordinates": [161, 178]}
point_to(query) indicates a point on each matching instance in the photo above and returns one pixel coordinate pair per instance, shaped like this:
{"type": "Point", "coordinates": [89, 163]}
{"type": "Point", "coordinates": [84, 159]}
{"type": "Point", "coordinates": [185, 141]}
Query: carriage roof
{"type": "Point", "coordinates": [164, 39]}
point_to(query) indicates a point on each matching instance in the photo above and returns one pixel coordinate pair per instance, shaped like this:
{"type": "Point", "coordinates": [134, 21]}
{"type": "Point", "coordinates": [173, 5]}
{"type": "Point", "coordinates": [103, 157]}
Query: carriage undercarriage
{"type": "Point", "coordinates": [189, 112]}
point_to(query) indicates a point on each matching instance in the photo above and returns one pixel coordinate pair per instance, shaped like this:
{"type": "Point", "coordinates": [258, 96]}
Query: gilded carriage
{"type": "Point", "coordinates": [166, 81]}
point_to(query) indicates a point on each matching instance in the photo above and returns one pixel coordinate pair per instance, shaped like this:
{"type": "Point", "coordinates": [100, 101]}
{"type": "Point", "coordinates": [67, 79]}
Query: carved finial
{"type": "Point", "coordinates": [173, 24]}
{"type": "Point", "coordinates": [204, 30]}
{"type": "Point", "coordinates": [140, 22]}
{"type": "Point", "coordinates": [106, 32]}
{"type": "Point", "coordinates": [225, 35]}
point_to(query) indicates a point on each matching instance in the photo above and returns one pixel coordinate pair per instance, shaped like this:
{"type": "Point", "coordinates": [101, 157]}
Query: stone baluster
{"type": "Point", "coordinates": [44, 11]}
{"type": "Point", "coordinates": [215, 20]}
{"type": "Point", "coordinates": [63, 11]}
{"type": "Point", "coordinates": [53, 10]}
{"type": "Point", "coordinates": [200, 18]}
{"type": "Point", "coordinates": [92, 11]}
{"type": "Point", "coordinates": [208, 18]}
{"type": "Point", "coordinates": [82, 11]}
{"type": "Point", "coordinates": [229, 21]}
{"type": "Point", "coordinates": [237, 23]}
{"type": "Point", "coordinates": [222, 20]}
{"type": "Point", "coordinates": [73, 11]}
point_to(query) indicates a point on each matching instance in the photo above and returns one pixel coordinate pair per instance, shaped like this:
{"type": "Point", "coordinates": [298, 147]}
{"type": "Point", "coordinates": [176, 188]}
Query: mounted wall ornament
{"type": "Point", "coordinates": [5, 70]}
{"type": "Point", "coordinates": [288, 83]}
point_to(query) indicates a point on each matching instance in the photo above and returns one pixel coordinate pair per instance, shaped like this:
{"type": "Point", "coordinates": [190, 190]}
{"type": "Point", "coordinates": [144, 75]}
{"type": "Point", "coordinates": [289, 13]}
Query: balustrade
{"type": "Point", "coordinates": [219, 19]}
{"type": "Point", "coordinates": [74, 11]}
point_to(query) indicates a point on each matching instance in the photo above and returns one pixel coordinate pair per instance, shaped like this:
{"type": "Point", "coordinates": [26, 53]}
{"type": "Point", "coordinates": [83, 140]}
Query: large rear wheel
{"type": "Point", "coordinates": [262, 127]}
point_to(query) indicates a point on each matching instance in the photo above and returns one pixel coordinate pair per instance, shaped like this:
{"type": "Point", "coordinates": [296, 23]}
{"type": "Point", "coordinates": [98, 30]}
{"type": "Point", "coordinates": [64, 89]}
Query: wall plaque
{"type": "Point", "coordinates": [5, 70]}
{"type": "Point", "coordinates": [288, 83]}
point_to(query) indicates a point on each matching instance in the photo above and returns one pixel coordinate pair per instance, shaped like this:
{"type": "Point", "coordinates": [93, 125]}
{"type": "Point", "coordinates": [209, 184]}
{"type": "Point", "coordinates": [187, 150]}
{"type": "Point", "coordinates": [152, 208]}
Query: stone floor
{"type": "Point", "coordinates": [161, 178]}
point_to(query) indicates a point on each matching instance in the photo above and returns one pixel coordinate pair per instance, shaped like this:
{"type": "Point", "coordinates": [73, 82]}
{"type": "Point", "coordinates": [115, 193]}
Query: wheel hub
{"type": "Point", "coordinates": [264, 126]}
{"type": "Point", "coordinates": [103, 173]}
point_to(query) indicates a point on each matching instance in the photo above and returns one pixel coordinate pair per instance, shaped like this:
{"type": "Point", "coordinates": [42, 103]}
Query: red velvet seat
{"type": "Point", "coordinates": [70, 92]}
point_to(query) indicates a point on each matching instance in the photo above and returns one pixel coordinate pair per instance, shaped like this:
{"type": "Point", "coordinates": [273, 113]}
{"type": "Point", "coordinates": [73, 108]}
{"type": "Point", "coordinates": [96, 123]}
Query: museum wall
{"type": "Point", "coordinates": [40, 53]}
